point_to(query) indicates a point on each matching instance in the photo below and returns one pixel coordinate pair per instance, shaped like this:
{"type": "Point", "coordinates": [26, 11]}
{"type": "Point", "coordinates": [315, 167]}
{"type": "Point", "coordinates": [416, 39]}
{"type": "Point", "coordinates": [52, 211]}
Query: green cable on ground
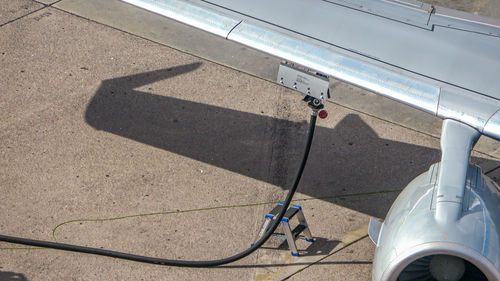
{"type": "Point", "coordinates": [214, 208]}
{"type": "Point", "coordinates": [198, 210]}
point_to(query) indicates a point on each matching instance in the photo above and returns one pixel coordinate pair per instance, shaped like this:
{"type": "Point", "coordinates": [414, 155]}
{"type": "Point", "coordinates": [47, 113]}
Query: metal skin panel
{"type": "Point", "coordinates": [457, 141]}
{"type": "Point", "coordinates": [411, 231]}
{"type": "Point", "coordinates": [474, 110]}
{"type": "Point", "coordinates": [410, 12]}
{"type": "Point", "coordinates": [465, 21]}
{"type": "Point", "coordinates": [492, 127]}
{"type": "Point", "coordinates": [191, 13]}
{"type": "Point", "coordinates": [374, 228]}
{"type": "Point", "coordinates": [325, 60]}
{"type": "Point", "coordinates": [465, 59]}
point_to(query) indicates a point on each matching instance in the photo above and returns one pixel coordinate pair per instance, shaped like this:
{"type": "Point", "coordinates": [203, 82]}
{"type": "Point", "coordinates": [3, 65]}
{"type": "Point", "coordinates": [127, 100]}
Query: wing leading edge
{"type": "Point", "coordinates": [438, 60]}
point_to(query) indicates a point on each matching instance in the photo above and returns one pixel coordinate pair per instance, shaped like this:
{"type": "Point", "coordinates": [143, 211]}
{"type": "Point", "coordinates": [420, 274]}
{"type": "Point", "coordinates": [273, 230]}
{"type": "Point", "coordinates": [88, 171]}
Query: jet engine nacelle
{"type": "Point", "coordinates": [413, 244]}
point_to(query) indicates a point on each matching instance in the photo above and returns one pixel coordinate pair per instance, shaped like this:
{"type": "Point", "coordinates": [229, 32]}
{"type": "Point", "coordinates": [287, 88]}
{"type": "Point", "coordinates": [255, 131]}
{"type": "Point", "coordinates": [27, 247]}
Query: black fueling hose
{"type": "Point", "coordinates": [182, 263]}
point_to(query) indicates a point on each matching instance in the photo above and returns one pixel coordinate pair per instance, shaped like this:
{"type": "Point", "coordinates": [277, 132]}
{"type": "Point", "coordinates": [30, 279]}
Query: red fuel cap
{"type": "Point", "coordinates": [323, 114]}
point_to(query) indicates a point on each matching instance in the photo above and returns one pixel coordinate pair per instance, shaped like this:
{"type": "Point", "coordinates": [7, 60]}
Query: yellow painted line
{"type": "Point", "coordinates": [273, 275]}
{"type": "Point", "coordinates": [354, 235]}
{"type": "Point", "coordinates": [268, 275]}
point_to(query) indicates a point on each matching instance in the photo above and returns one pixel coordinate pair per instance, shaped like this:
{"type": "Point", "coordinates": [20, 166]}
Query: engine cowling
{"type": "Point", "coordinates": [413, 245]}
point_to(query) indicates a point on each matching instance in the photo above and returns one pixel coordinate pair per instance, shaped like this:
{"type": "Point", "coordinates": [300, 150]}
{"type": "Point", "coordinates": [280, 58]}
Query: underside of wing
{"type": "Point", "coordinates": [438, 60]}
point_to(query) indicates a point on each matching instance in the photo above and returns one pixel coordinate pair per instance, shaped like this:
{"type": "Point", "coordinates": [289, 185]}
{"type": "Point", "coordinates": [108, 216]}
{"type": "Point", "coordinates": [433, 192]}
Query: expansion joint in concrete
{"type": "Point", "coordinates": [492, 170]}
{"type": "Point", "coordinates": [30, 13]}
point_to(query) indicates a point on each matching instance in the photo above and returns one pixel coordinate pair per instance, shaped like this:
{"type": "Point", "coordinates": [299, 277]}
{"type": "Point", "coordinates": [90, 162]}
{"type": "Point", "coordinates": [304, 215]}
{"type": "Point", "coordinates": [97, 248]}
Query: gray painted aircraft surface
{"type": "Point", "coordinates": [445, 225]}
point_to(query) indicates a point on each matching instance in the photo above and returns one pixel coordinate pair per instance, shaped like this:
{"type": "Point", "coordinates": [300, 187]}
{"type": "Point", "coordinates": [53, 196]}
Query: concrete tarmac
{"type": "Point", "coordinates": [111, 138]}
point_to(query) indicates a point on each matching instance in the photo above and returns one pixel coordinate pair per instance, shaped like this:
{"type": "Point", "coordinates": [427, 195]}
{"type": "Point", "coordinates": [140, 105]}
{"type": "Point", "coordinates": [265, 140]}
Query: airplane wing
{"type": "Point", "coordinates": [439, 60]}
